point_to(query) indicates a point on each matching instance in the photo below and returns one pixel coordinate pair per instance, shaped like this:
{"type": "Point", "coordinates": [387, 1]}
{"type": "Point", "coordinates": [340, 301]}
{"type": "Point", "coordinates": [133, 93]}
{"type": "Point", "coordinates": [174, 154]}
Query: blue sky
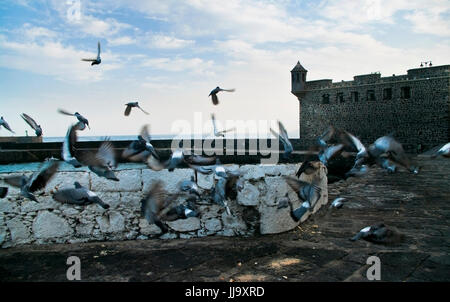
{"type": "Point", "coordinates": [169, 55]}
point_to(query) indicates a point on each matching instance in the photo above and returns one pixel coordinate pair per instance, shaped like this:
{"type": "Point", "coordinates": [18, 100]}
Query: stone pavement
{"type": "Point", "coordinates": [418, 206]}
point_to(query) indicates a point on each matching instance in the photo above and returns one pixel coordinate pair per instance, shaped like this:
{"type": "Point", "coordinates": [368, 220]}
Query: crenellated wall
{"type": "Point", "coordinates": [254, 211]}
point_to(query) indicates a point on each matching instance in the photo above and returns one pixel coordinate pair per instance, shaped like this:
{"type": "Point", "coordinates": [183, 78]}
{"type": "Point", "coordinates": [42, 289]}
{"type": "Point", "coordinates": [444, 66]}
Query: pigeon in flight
{"type": "Point", "coordinates": [378, 233]}
{"type": "Point", "coordinates": [68, 147]}
{"type": "Point", "coordinates": [5, 124]}
{"type": "Point", "coordinates": [79, 196]}
{"type": "Point", "coordinates": [37, 181]}
{"type": "Point", "coordinates": [140, 149]}
{"type": "Point", "coordinates": [97, 60]}
{"type": "Point", "coordinates": [102, 162]}
{"type": "Point", "coordinates": [338, 202]}
{"type": "Point", "coordinates": [133, 105]}
{"type": "Point", "coordinates": [190, 186]}
{"type": "Point", "coordinates": [330, 152]}
{"type": "Point", "coordinates": [309, 192]}
{"type": "Point", "coordinates": [3, 192]}
{"type": "Point", "coordinates": [307, 167]}
{"type": "Point", "coordinates": [84, 122]}
{"type": "Point", "coordinates": [322, 141]}
{"type": "Point", "coordinates": [214, 92]}
{"type": "Point", "coordinates": [216, 132]}
{"type": "Point", "coordinates": [394, 150]}
{"type": "Point", "coordinates": [156, 204]}
{"type": "Point", "coordinates": [37, 128]}
{"type": "Point", "coordinates": [444, 151]}
{"type": "Point", "coordinates": [283, 137]}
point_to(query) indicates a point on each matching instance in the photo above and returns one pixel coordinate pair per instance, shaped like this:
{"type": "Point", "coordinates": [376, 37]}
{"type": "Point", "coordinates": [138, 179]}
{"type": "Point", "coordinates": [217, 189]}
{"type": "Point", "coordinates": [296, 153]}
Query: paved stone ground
{"type": "Point", "coordinates": [418, 206]}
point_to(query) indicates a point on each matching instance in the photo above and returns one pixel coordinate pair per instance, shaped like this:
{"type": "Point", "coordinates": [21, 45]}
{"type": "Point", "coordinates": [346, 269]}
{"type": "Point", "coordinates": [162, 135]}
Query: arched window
{"type": "Point", "coordinates": [326, 98]}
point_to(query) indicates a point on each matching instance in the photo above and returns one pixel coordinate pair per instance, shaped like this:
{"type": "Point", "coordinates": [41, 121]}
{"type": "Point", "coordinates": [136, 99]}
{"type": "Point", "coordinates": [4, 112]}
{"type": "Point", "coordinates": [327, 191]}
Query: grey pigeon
{"type": "Point", "coordinates": [68, 147]}
{"type": "Point", "coordinates": [326, 136]}
{"type": "Point", "coordinates": [78, 196]}
{"type": "Point", "coordinates": [30, 121]}
{"type": "Point", "coordinates": [219, 194]}
{"type": "Point", "coordinates": [214, 93]}
{"type": "Point", "coordinates": [394, 150]}
{"type": "Point", "coordinates": [140, 149]}
{"type": "Point", "coordinates": [97, 60]}
{"type": "Point", "coordinates": [182, 212]}
{"type": "Point", "coordinates": [283, 137]}
{"type": "Point", "coordinates": [306, 191]}
{"type": "Point", "coordinates": [307, 167]}
{"type": "Point", "coordinates": [379, 233]}
{"type": "Point", "coordinates": [330, 152]}
{"type": "Point", "coordinates": [216, 132]}
{"type": "Point", "coordinates": [190, 186]}
{"type": "Point", "coordinates": [156, 204]}
{"type": "Point", "coordinates": [5, 124]}
{"type": "Point", "coordinates": [338, 202]}
{"type": "Point", "coordinates": [37, 181]}
{"type": "Point", "coordinates": [132, 105]}
{"type": "Point", "coordinates": [84, 121]}
{"type": "Point", "coordinates": [102, 162]}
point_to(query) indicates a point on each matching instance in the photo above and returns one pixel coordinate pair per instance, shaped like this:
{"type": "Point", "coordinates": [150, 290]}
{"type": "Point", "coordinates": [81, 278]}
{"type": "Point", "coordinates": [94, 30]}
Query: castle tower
{"type": "Point", "coordinates": [298, 80]}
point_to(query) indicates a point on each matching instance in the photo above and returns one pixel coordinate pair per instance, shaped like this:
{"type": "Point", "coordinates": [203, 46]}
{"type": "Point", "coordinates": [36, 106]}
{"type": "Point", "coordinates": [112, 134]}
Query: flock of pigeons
{"type": "Point", "coordinates": [158, 206]}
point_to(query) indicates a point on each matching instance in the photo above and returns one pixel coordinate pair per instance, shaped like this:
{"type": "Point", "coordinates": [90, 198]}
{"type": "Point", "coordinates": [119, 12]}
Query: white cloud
{"type": "Point", "coordinates": [194, 65]}
{"type": "Point", "coordinates": [124, 40]}
{"type": "Point", "coordinates": [168, 42]}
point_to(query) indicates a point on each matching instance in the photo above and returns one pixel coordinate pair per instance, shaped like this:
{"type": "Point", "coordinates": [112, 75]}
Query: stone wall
{"type": "Point", "coordinates": [422, 119]}
{"type": "Point", "coordinates": [254, 210]}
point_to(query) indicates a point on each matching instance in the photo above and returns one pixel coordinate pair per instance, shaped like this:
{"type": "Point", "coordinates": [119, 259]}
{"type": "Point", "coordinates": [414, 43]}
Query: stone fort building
{"type": "Point", "coordinates": [415, 106]}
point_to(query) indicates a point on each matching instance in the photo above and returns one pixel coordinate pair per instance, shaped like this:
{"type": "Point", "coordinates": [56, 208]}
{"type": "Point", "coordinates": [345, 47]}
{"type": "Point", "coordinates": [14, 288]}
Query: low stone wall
{"type": "Point", "coordinates": [254, 211]}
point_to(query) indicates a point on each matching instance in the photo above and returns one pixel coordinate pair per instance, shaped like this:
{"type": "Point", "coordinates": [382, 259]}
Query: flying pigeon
{"type": "Point", "coordinates": [132, 105]}
{"type": "Point", "coordinates": [97, 60]}
{"type": "Point", "coordinates": [102, 162]}
{"type": "Point", "coordinates": [330, 152]}
{"type": "Point", "coordinates": [68, 149]}
{"type": "Point", "coordinates": [37, 128]}
{"type": "Point", "coordinates": [216, 132]}
{"type": "Point", "coordinates": [338, 202]}
{"type": "Point", "coordinates": [156, 204]}
{"type": "Point", "coordinates": [190, 186]}
{"type": "Point", "coordinates": [37, 181]}
{"type": "Point", "coordinates": [309, 192]}
{"type": "Point", "coordinates": [307, 167]}
{"type": "Point", "coordinates": [140, 149]}
{"type": "Point", "coordinates": [80, 118]}
{"type": "Point", "coordinates": [326, 136]}
{"type": "Point", "coordinates": [283, 137]}
{"type": "Point", "coordinates": [214, 92]}
{"type": "Point", "coordinates": [79, 196]}
{"type": "Point", "coordinates": [5, 124]}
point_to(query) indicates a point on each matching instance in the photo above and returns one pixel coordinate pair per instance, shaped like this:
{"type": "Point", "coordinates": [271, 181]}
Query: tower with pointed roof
{"type": "Point", "coordinates": [298, 80]}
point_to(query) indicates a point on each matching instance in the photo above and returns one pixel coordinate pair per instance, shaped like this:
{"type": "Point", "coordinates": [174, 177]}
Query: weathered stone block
{"type": "Point", "coordinates": [129, 181]}
{"type": "Point", "coordinates": [185, 225]}
{"type": "Point", "coordinates": [249, 196]}
{"type": "Point", "coordinates": [48, 225]}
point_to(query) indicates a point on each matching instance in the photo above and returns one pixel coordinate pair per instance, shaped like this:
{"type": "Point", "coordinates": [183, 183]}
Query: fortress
{"type": "Point", "coordinates": [414, 106]}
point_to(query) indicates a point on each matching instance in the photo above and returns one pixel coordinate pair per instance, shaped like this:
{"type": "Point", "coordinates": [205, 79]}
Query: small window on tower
{"type": "Point", "coordinates": [355, 96]}
{"type": "Point", "coordinates": [405, 92]}
{"type": "Point", "coordinates": [340, 97]}
{"type": "Point", "coordinates": [304, 77]}
{"type": "Point", "coordinates": [371, 95]}
{"type": "Point", "coordinates": [387, 93]}
{"type": "Point", "coordinates": [326, 98]}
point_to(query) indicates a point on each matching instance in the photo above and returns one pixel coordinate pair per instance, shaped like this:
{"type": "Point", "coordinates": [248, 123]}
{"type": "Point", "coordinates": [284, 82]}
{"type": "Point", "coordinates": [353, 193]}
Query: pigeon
{"type": "Point", "coordinates": [386, 164]}
{"type": "Point", "coordinates": [102, 162]}
{"type": "Point", "coordinates": [355, 144]}
{"type": "Point", "coordinates": [283, 137]}
{"type": "Point", "coordinates": [357, 170]}
{"type": "Point", "coordinates": [37, 181]}
{"type": "Point", "coordinates": [394, 150]}
{"type": "Point", "coordinates": [3, 192]}
{"type": "Point", "coordinates": [82, 119]}
{"type": "Point", "coordinates": [79, 196]}
{"type": "Point", "coordinates": [214, 92]}
{"type": "Point", "coordinates": [330, 152]}
{"type": "Point", "coordinates": [132, 105]}
{"type": "Point", "coordinates": [37, 128]}
{"type": "Point", "coordinates": [283, 202]}
{"type": "Point", "coordinates": [68, 149]}
{"type": "Point", "coordinates": [97, 60]}
{"type": "Point", "coordinates": [217, 168]}
{"type": "Point", "coordinates": [298, 213]}
{"type": "Point", "coordinates": [309, 192]}
{"type": "Point", "coordinates": [156, 204]}
{"type": "Point", "coordinates": [175, 160]}
{"type": "Point", "coordinates": [216, 132]}
{"type": "Point", "coordinates": [444, 151]}
{"type": "Point", "coordinates": [379, 233]}
{"type": "Point", "coordinates": [338, 202]}
{"type": "Point", "coordinates": [5, 124]}
{"type": "Point", "coordinates": [182, 212]}
{"type": "Point", "coordinates": [140, 149]}
{"type": "Point", "coordinates": [219, 194]}
{"type": "Point", "coordinates": [190, 186]}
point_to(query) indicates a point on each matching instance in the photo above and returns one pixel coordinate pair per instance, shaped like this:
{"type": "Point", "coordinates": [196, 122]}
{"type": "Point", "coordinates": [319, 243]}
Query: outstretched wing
{"type": "Point", "coordinates": [127, 110]}
{"type": "Point", "coordinates": [40, 178]}
{"type": "Point", "coordinates": [142, 110]}
{"type": "Point", "coordinates": [145, 133]}
{"type": "Point", "coordinates": [15, 181]}
{"type": "Point", "coordinates": [29, 121]}
{"type": "Point", "coordinates": [214, 98]}
{"type": "Point", "coordinates": [295, 184]}
{"type": "Point", "coordinates": [107, 155]}
{"type": "Point", "coordinates": [98, 49]}
{"type": "Point", "coordinates": [62, 111]}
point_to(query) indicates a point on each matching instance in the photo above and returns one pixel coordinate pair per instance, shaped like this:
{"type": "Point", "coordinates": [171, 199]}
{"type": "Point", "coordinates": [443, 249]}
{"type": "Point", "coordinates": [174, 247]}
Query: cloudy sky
{"type": "Point", "coordinates": [169, 55]}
